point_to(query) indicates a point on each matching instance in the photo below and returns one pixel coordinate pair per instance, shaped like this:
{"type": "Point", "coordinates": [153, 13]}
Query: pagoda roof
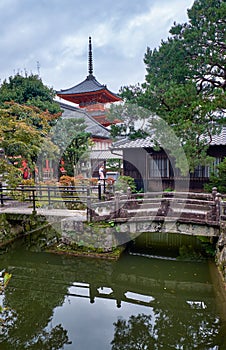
{"type": "Point", "coordinates": [87, 85]}
{"type": "Point", "coordinates": [89, 91]}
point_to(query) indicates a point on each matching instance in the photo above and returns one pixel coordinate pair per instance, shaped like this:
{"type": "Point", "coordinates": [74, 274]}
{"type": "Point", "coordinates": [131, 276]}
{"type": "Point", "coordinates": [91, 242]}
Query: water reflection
{"type": "Point", "coordinates": [60, 302]}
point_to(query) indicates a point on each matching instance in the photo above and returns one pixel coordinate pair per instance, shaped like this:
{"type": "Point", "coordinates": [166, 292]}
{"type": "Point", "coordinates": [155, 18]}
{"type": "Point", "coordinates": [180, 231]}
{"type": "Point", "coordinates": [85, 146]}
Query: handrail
{"type": "Point", "coordinates": [49, 194]}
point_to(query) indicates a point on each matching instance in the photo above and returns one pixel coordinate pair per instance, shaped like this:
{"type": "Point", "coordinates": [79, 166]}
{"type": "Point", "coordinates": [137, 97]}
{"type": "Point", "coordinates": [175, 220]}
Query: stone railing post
{"type": "Point", "coordinates": [213, 213]}
{"type": "Point", "coordinates": [223, 212]}
{"type": "Point", "coordinates": [128, 193]}
{"type": "Point", "coordinates": [117, 204]}
{"type": "Point", "coordinates": [214, 192]}
{"type": "Point", "coordinates": [164, 207]}
{"type": "Point", "coordinates": [218, 199]}
{"type": "Point", "coordinates": [1, 195]}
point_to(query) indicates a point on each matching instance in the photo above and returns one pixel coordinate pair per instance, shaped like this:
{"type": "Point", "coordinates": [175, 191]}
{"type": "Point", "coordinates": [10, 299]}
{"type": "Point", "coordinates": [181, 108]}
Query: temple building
{"type": "Point", "coordinates": [90, 94]}
{"type": "Point", "coordinates": [92, 98]}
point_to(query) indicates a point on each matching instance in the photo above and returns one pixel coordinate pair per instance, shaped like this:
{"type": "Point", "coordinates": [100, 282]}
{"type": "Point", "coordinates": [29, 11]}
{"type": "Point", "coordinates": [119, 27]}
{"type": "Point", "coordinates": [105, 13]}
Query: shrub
{"type": "Point", "coordinates": [66, 180]}
{"type": "Point", "coordinates": [123, 182]}
{"type": "Point", "coordinates": [52, 182]}
{"type": "Point", "coordinates": [79, 180]}
{"type": "Point", "coordinates": [28, 182]}
{"type": "Point", "coordinates": [218, 179]}
{"type": "Point", "coordinates": [93, 181]}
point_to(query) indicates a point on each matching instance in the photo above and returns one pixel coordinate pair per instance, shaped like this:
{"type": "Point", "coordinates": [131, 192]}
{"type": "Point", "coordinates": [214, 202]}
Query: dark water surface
{"type": "Point", "coordinates": [138, 302]}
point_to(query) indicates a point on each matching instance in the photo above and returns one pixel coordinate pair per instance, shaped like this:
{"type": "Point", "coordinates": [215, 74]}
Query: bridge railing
{"type": "Point", "coordinates": [188, 206]}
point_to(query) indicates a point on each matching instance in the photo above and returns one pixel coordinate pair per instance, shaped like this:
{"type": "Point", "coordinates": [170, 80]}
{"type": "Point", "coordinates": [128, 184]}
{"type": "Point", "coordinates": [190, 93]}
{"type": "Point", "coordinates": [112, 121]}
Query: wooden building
{"type": "Point", "coordinates": [155, 170]}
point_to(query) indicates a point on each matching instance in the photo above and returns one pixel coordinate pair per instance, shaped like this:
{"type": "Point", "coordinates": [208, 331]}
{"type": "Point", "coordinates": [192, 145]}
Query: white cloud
{"type": "Point", "coordinates": [55, 33]}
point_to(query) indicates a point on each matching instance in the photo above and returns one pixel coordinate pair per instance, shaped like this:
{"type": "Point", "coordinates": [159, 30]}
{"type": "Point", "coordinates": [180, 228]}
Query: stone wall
{"type": "Point", "coordinates": [107, 235]}
{"type": "Point", "coordinates": [221, 244]}
{"type": "Point", "coordinates": [98, 236]}
{"type": "Point", "coordinates": [221, 252]}
{"type": "Point", "coordinates": [13, 226]}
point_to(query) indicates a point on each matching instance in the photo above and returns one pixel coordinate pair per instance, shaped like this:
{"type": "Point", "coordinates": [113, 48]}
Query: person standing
{"type": "Point", "coordinates": [101, 172]}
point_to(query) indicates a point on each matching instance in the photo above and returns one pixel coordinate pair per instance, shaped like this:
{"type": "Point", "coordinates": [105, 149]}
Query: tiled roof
{"type": "Point", "coordinates": [138, 143]}
{"type": "Point", "coordinates": [217, 140]}
{"type": "Point", "coordinates": [89, 91]}
{"type": "Point", "coordinates": [88, 85]}
{"type": "Point", "coordinates": [96, 129]}
{"type": "Point", "coordinates": [105, 154]}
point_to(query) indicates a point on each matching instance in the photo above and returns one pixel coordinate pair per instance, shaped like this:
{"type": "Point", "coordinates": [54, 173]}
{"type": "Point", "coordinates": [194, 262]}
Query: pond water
{"type": "Point", "coordinates": [138, 302]}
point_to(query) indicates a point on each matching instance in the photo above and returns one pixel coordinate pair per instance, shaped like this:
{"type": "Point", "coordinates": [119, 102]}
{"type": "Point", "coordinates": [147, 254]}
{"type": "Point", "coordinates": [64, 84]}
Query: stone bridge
{"type": "Point", "coordinates": [185, 213]}
{"type": "Point", "coordinates": [121, 220]}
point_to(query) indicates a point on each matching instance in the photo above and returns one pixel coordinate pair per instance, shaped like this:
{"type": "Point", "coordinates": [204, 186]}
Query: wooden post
{"type": "Point", "coordinates": [33, 202]}
{"type": "Point", "coordinates": [1, 195]}
{"type": "Point", "coordinates": [49, 202]}
{"type": "Point", "coordinates": [88, 205]}
{"type": "Point", "coordinates": [40, 190]}
{"type": "Point", "coordinates": [99, 190]}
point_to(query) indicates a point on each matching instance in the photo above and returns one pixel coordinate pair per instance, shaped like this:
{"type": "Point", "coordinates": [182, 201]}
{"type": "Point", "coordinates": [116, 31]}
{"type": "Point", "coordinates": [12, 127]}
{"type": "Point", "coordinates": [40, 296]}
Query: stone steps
{"type": "Point", "coordinates": [199, 214]}
{"type": "Point", "coordinates": [173, 206]}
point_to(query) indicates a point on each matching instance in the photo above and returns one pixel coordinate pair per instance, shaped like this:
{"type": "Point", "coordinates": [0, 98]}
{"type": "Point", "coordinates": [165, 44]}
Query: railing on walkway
{"type": "Point", "coordinates": [58, 197]}
{"type": "Point", "coordinates": [101, 205]}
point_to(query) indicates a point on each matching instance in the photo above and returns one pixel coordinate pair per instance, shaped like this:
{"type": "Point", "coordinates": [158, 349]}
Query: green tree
{"type": "Point", "coordinates": [186, 79]}
{"type": "Point", "coordinates": [143, 332]}
{"type": "Point", "coordinates": [123, 182]}
{"type": "Point", "coordinates": [73, 141]}
{"type": "Point", "coordinates": [218, 178]}
{"type": "Point", "coordinates": [27, 113]}
{"type": "Point", "coordinates": [28, 90]}
{"type": "Point", "coordinates": [9, 173]}
{"type": "Point", "coordinates": [133, 118]}
{"type": "Point", "coordinates": [24, 131]}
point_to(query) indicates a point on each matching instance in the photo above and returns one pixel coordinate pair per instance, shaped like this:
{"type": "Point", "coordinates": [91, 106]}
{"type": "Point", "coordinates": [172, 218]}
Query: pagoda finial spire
{"type": "Point", "coordinates": [90, 57]}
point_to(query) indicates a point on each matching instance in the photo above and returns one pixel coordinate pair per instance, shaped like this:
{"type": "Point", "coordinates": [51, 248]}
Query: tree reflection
{"type": "Point", "coordinates": [25, 313]}
{"type": "Point", "coordinates": [53, 340]}
{"type": "Point", "coordinates": [137, 333]}
{"type": "Point", "coordinates": [165, 332]}
{"type": "Point", "coordinates": [179, 312]}
{"type": "Point", "coordinates": [42, 338]}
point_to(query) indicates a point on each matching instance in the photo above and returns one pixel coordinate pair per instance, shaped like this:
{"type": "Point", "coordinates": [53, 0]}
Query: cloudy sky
{"type": "Point", "coordinates": [50, 37]}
